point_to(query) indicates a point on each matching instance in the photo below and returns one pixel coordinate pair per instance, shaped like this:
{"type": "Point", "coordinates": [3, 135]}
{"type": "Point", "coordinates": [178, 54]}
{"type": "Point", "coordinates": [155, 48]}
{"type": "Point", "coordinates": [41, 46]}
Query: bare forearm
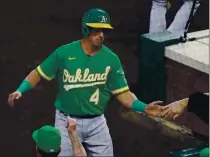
{"type": "Point", "coordinates": [29, 82]}
{"type": "Point", "coordinates": [33, 78]}
{"type": "Point", "coordinates": [127, 99]}
{"type": "Point", "coordinates": [78, 149]}
{"type": "Point", "coordinates": [183, 102]}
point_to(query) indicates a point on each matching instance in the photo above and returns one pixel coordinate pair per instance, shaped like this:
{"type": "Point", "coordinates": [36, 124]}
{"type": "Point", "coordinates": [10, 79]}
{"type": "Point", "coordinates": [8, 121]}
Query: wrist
{"type": "Point", "coordinates": [72, 134]}
{"type": "Point", "coordinates": [183, 103]}
{"type": "Point", "coordinates": [18, 91]}
{"type": "Point", "coordinates": [24, 87]}
{"type": "Point", "coordinates": [138, 105]}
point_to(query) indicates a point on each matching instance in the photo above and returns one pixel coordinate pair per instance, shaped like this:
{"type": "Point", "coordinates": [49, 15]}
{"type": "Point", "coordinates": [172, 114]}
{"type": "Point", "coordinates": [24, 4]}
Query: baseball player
{"type": "Point", "coordinates": [158, 16]}
{"type": "Point", "coordinates": [88, 75]}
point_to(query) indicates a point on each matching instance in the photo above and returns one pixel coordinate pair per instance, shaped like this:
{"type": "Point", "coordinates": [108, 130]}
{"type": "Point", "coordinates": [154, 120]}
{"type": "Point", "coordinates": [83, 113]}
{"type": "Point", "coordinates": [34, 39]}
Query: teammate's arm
{"type": "Point", "coordinates": [77, 147]}
{"type": "Point", "coordinates": [193, 103]}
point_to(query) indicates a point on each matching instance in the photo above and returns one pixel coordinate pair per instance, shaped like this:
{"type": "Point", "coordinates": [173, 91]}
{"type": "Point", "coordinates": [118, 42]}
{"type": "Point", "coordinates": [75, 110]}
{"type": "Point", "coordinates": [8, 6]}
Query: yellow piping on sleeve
{"type": "Point", "coordinates": [43, 74]}
{"type": "Point", "coordinates": [121, 90]}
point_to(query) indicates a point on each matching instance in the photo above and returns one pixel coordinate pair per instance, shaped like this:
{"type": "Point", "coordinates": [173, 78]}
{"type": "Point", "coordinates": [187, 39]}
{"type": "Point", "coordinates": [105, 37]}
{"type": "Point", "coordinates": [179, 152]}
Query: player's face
{"type": "Point", "coordinates": [96, 37]}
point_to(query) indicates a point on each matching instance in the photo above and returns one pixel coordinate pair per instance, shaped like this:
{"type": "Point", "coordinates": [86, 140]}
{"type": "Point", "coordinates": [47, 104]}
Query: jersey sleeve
{"type": "Point", "coordinates": [116, 80]}
{"type": "Point", "coordinates": [48, 68]}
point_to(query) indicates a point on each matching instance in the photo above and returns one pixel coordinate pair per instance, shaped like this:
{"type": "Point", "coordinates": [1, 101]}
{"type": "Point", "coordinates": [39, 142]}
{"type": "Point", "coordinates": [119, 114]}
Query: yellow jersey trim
{"type": "Point", "coordinates": [121, 90]}
{"type": "Point", "coordinates": [43, 74]}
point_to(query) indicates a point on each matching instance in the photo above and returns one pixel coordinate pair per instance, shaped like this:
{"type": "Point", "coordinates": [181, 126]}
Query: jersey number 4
{"type": "Point", "coordinates": [95, 97]}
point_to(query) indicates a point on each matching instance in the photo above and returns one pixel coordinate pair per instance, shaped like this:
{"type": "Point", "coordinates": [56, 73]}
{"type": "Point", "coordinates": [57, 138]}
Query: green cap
{"type": "Point", "coordinates": [204, 152]}
{"type": "Point", "coordinates": [97, 18]}
{"type": "Point", "coordinates": [47, 138]}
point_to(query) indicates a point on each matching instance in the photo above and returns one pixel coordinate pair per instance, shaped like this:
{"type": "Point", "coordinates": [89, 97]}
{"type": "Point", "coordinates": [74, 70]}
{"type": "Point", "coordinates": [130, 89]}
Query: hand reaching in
{"type": "Point", "coordinates": [173, 110]}
{"type": "Point", "coordinates": [71, 125]}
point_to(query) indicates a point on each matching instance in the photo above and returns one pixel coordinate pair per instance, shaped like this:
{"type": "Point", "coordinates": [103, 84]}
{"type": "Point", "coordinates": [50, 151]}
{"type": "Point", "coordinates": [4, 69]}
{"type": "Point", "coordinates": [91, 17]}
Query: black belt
{"type": "Point", "coordinates": [82, 116]}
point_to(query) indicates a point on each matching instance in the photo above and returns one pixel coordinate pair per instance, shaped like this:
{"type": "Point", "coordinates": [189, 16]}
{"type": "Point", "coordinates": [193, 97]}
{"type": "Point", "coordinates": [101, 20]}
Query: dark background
{"type": "Point", "coordinates": [31, 30]}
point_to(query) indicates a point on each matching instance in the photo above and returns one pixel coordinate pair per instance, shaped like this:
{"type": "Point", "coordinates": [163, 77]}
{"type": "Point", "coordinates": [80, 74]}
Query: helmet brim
{"type": "Point", "coordinates": [100, 25]}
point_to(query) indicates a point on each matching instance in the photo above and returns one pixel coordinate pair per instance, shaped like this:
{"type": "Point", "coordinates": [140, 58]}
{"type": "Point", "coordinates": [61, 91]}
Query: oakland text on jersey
{"type": "Point", "coordinates": [84, 77]}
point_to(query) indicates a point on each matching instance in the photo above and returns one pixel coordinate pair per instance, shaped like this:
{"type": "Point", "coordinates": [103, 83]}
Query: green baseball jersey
{"type": "Point", "coordinates": [86, 83]}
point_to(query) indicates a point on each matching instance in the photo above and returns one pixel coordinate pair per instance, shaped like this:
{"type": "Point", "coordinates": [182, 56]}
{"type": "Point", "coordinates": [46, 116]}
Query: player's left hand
{"type": "Point", "coordinates": [154, 109]}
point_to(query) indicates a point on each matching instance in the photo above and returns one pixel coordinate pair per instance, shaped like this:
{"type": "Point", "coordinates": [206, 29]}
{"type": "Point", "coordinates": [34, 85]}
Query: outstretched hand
{"type": "Point", "coordinates": [154, 109]}
{"type": "Point", "coordinates": [173, 110]}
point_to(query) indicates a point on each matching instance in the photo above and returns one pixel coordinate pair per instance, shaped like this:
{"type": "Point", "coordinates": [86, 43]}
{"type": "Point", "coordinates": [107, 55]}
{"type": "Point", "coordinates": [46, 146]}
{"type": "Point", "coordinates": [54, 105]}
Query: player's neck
{"type": "Point", "coordinates": [88, 48]}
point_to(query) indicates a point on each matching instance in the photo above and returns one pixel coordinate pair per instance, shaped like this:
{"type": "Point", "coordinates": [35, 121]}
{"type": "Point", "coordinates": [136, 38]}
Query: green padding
{"type": "Point", "coordinates": [204, 152]}
{"type": "Point", "coordinates": [24, 86]}
{"type": "Point", "coordinates": [138, 106]}
{"type": "Point", "coordinates": [151, 65]}
{"type": "Point", "coordinates": [191, 152]}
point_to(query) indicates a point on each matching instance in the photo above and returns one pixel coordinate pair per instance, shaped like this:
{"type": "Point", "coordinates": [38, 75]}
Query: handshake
{"type": "Point", "coordinates": [170, 111]}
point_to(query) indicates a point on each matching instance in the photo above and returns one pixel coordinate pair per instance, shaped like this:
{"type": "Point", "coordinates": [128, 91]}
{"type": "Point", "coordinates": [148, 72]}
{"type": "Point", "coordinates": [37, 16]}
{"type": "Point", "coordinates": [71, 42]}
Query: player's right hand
{"type": "Point", "coordinates": [14, 96]}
